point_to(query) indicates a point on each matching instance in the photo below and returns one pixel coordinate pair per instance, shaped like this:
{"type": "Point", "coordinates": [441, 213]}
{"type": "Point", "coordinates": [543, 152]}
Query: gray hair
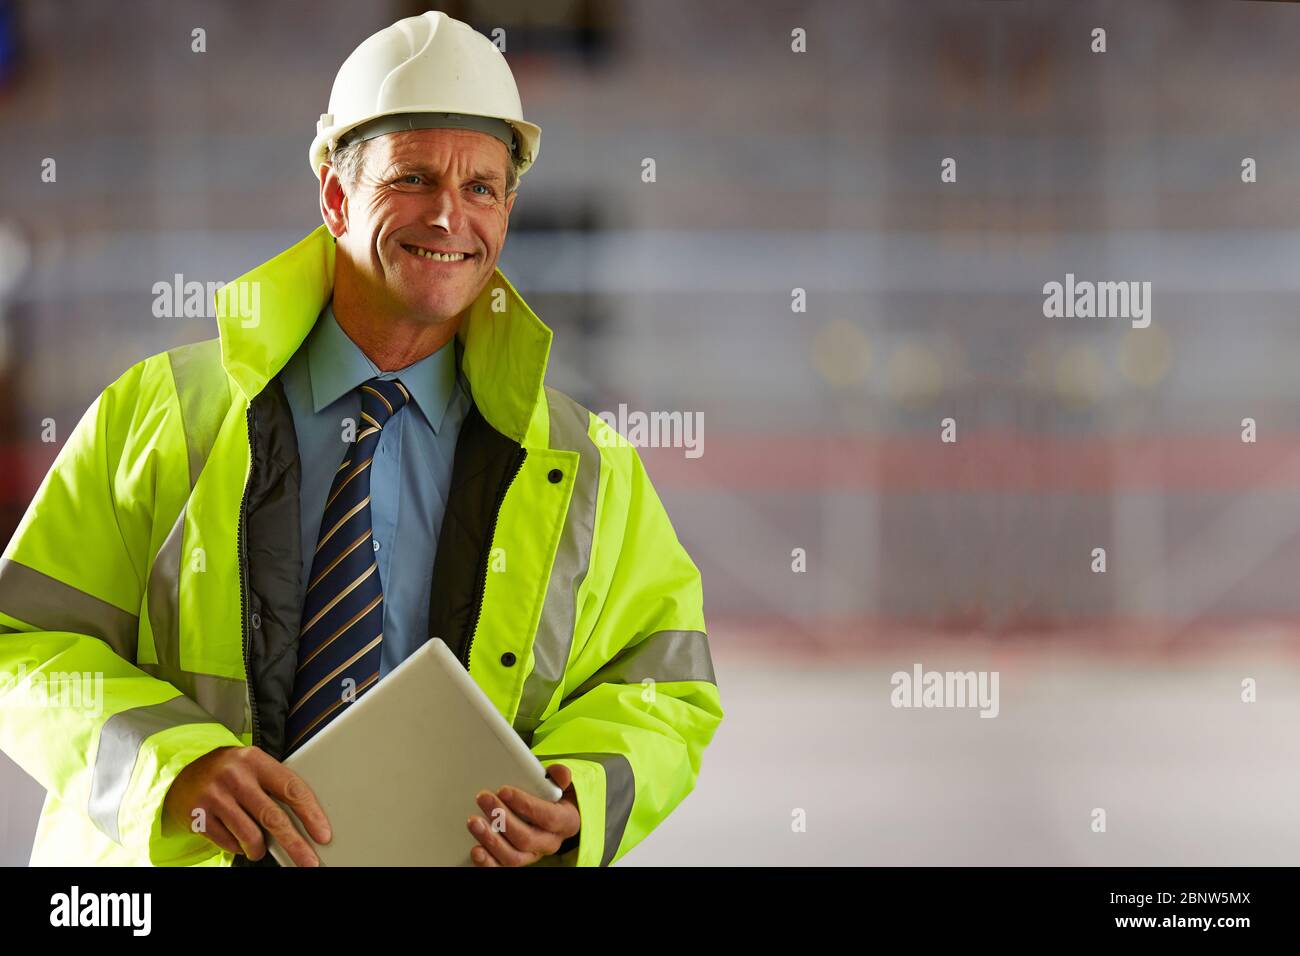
{"type": "Point", "coordinates": [348, 162]}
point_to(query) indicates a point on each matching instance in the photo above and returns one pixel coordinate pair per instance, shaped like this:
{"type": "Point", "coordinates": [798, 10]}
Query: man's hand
{"type": "Point", "coordinates": [234, 787]}
{"type": "Point", "coordinates": [527, 828]}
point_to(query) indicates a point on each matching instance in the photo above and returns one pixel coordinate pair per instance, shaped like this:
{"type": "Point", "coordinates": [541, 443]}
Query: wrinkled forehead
{"type": "Point", "coordinates": [480, 153]}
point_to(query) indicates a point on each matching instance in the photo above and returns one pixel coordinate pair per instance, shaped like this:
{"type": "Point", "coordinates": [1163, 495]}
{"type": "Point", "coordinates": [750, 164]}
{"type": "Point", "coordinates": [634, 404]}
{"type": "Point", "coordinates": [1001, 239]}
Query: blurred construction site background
{"type": "Point", "coordinates": [839, 538]}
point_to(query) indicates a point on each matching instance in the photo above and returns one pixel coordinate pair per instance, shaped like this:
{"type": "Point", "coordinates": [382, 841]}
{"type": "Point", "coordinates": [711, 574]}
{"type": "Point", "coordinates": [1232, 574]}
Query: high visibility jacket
{"type": "Point", "coordinates": [162, 552]}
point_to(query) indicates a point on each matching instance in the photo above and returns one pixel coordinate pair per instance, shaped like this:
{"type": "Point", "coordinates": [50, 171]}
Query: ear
{"type": "Point", "coordinates": [333, 201]}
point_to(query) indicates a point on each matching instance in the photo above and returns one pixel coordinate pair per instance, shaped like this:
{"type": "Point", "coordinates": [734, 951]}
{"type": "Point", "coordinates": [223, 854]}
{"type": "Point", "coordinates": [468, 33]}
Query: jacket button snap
{"type": "Point", "coordinates": [508, 659]}
{"type": "Point", "coordinates": [257, 621]}
{"type": "Point", "coordinates": [555, 476]}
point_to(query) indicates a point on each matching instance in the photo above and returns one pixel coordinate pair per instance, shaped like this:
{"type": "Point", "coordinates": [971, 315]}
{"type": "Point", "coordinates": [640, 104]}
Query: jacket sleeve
{"type": "Point", "coordinates": [641, 700]}
{"type": "Point", "coordinates": [75, 711]}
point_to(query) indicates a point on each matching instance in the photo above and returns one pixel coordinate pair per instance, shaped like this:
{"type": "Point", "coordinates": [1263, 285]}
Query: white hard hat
{"type": "Point", "coordinates": [425, 72]}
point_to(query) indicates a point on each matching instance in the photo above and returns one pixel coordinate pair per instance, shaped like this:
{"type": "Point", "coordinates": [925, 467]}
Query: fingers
{"type": "Point", "coordinates": [218, 833]}
{"type": "Point", "coordinates": [241, 826]}
{"type": "Point", "coordinates": [234, 787]}
{"type": "Point", "coordinates": [281, 782]}
{"type": "Point", "coordinates": [511, 840]}
{"type": "Point", "coordinates": [498, 849]}
{"type": "Point", "coordinates": [553, 817]}
{"type": "Point", "coordinates": [248, 785]}
{"type": "Point", "coordinates": [482, 857]}
{"type": "Point", "coordinates": [275, 821]}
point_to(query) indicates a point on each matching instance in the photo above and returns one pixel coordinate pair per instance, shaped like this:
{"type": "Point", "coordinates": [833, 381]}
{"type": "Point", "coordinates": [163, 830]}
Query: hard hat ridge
{"type": "Point", "coordinates": [425, 72]}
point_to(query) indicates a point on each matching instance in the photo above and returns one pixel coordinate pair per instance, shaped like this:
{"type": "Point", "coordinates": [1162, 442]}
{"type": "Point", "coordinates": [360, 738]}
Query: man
{"type": "Point", "coordinates": [245, 535]}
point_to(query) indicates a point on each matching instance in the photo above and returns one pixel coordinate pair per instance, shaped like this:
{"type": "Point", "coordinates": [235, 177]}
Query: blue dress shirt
{"type": "Point", "coordinates": [411, 474]}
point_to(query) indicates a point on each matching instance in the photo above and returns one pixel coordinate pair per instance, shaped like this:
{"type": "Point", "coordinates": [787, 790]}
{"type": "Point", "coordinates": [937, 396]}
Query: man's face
{"type": "Point", "coordinates": [427, 191]}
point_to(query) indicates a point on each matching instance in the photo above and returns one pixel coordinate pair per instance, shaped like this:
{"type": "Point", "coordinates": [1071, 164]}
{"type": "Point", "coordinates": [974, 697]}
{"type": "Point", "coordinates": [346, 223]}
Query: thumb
{"type": "Point", "coordinates": [560, 774]}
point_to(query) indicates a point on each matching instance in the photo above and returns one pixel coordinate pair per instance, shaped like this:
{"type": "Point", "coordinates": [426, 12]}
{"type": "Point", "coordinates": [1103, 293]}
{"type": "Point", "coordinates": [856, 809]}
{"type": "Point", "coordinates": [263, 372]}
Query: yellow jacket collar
{"type": "Point", "coordinates": [264, 315]}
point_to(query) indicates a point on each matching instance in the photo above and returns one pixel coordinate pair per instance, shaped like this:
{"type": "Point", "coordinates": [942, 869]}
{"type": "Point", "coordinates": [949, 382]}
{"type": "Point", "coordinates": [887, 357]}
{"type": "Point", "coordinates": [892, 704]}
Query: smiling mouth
{"type": "Point", "coordinates": [424, 253]}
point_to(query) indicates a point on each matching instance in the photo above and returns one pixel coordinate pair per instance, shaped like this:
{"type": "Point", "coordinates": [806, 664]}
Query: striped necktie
{"type": "Point", "coordinates": [343, 611]}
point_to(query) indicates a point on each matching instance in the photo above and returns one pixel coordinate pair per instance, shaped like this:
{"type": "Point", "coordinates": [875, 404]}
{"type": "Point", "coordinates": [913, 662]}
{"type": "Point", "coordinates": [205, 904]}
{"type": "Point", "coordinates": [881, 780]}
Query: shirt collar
{"type": "Point", "coordinates": [338, 366]}
{"type": "Point", "coordinates": [263, 318]}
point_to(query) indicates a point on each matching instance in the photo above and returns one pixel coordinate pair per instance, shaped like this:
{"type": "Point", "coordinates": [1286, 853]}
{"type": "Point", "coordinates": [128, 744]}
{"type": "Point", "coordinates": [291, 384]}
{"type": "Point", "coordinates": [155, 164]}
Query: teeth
{"type": "Point", "coordinates": [438, 256]}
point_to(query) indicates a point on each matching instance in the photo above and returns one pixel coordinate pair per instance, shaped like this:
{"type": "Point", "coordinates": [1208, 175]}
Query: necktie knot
{"type": "Point", "coordinates": [381, 399]}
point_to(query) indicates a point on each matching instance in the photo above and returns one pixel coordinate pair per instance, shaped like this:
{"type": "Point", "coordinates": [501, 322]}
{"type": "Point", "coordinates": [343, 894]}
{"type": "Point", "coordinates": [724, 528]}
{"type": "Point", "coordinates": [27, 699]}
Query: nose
{"type": "Point", "coordinates": [445, 212]}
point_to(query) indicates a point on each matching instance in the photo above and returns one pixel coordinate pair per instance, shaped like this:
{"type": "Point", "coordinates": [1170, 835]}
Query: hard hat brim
{"type": "Point", "coordinates": [529, 135]}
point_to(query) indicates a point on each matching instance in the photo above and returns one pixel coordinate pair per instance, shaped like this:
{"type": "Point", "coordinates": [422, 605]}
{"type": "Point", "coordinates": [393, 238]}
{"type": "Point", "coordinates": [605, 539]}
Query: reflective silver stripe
{"type": "Point", "coordinates": [164, 597]}
{"type": "Point", "coordinates": [663, 656]}
{"type": "Point", "coordinates": [120, 740]}
{"type": "Point", "coordinates": [569, 423]}
{"type": "Point", "coordinates": [225, 698]}
{"type": "Point", "coordinates": [48, 604]}
{"type": "Point", "coordinates": [201, 390]}
{"type": "Point", "coordinates": [620, 794]}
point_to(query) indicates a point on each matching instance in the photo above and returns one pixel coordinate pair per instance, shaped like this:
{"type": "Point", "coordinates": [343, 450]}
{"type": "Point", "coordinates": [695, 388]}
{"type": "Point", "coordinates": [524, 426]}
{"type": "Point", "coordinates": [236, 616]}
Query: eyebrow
{"type": "Point", "coordinates": [418, 166]}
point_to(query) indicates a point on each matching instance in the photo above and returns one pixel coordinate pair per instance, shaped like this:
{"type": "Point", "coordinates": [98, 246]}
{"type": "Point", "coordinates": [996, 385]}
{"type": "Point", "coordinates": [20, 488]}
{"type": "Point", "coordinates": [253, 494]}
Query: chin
{"type": "Point", "coordinates": [439, 309]}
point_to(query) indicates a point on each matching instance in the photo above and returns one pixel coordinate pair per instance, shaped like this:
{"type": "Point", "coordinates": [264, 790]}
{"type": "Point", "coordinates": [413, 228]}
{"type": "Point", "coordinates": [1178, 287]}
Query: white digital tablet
{"type": "Point", "coordinates": [397, 772]}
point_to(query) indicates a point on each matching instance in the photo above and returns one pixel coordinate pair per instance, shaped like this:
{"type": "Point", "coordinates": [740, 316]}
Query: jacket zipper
{"type": "Point", "coordinates": [242, 546]}
{"type": "Point", "coordinates": [480, 586]}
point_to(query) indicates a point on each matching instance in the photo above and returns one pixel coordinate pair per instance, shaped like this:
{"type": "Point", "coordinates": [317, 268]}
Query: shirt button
{"type": "Point", "coordinates": [376, 545]}
{"type": "Point", "coordinates": [555, 476]}
{"type": "Point", "coordinates": [508, 659]}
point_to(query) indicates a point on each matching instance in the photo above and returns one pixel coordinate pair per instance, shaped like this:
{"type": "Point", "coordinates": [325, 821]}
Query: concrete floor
{"type": "Point", "coordinates": [1186, 772]}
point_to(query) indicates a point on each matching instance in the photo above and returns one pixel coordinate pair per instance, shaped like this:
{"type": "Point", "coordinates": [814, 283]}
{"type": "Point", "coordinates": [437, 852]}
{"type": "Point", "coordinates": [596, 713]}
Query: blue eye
{"type": "Point", "coordinates": [483, 186]}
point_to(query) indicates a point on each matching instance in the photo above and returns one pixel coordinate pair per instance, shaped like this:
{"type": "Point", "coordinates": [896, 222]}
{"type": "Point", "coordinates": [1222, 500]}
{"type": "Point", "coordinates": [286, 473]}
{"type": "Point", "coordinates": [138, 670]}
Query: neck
{"type": "Point", "coordinates": [391, 341]}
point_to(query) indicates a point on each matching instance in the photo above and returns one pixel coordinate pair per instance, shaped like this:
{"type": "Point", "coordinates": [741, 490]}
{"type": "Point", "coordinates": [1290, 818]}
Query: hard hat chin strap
{"type": "Point", "coordinates": [401, 122]}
